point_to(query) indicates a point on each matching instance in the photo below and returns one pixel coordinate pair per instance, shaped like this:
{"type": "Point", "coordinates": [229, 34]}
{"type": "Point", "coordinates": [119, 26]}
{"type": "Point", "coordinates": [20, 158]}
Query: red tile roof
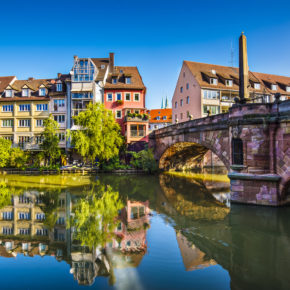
{"type": "Point", "coordinates": [160, 113]}
{"type": "Point", "coordinates": [4, 82]}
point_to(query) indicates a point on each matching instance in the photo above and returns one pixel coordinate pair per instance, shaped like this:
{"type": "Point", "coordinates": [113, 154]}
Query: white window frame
{"type": "Point", "coordinates": [288, 89]}
{"type": "Point", "coordinates": [127, 93]}
{"type": "Point", "coordinates": [59, 87]}
{"type": "Point", "coordinates": [274, 87]}
{"type": "Point", "coordinates": [42, 107]}
{"type": "Point", "coordinates": [116, 96]}
{"type": "Point", "coordinates": [229, 83]}
{"type": "Point", "coordinates": [213, 81]}
{"type": "Point", "coordinates": [39, 123]}
{"type": "Point", "coordinates": [24, 91]}
{"type": "Point", "coordinates": [42, 92]}
{"type": "Point", "coordinates": [57, 117]}
{"type": "Point", "coordinates": [116, 114]}
{"type": "Point", "coordinates": [26, 123]}
{"type": "Point", "coordinates": [128, 82]}
{"type": "Point", "coordinates": [111, 94]}
{"type": "Point", "coordinates": [138, 97]}
{"type": "Point", "coordinates": [10, 107]}
{"type": "Point", "coordinates": [7, 126]}
{"type": "Point", "coordinates": [257, 86]}
{"type": "Point", "coordinates": [114, 80]}
{"type": "Point", "coordinates": [10, 93]}
{"type": "Point", "coordinates": [25, 107]}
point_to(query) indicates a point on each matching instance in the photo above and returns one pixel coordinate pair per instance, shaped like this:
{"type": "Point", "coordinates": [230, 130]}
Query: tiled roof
{"type": "Point", "coordinates": [204, 71]}
{"type": "Point", "coordinates": [161, 113]}
{"type": "Point", "coordinates": [4, 82]}
{"type": "Point", "coordinates": [121, 72]}
{"type": "Point", "coordinates": [101, 64]}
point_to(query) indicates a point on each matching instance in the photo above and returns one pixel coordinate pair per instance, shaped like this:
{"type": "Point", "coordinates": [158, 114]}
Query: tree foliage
{"type": "Point", "coordinates": [5, 195]}
{"type": "Point", "coordinates": [18, 158]}
{"type": "Point", "coordinates": [50, 142]}
{"type": "Point", "coordinates": [100, 135]}
{"type": "Point", "coordinates": [5, 146]}
{"type": "Point", "coordinates": [94, 218]}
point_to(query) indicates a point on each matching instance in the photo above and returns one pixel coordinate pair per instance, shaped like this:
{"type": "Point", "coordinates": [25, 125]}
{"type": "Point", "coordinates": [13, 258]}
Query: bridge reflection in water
{"type": "Point", "coordinates": [250, 243]}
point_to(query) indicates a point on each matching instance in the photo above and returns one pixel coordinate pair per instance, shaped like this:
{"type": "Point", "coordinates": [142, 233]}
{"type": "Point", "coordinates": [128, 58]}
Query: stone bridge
{"type": "Point", "coordinates": [252, 141]}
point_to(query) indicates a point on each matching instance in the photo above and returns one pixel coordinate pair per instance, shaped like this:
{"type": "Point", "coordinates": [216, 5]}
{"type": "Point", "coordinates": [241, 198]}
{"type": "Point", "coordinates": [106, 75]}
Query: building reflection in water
{"type": "Point", "coordinates": [35, 223]}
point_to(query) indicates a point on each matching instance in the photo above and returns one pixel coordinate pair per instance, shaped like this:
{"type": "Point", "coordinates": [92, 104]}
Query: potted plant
{"type": "Point", "coordinates": [119, 102]}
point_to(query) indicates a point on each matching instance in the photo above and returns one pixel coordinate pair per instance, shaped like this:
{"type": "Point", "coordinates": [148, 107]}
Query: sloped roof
{"type": "Point", "coordinates": [121, 72]}
{"type": "Point", "coordinates": [200, 70]}
{"type": "Point", "coordinates": [5, 81]}
{"type": "Point", "coordinates": [161, 113]}
{"type": "Point", "coordinates": [99, 62]}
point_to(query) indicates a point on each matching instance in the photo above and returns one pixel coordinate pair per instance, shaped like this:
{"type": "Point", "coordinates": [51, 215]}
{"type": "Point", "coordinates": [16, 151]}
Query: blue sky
{"type": "Point", "coordinates": [39, 38]}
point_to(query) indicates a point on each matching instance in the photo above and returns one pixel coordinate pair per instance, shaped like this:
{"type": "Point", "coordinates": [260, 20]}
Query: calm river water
{"type": "Point", "coordinates": [137, 232]}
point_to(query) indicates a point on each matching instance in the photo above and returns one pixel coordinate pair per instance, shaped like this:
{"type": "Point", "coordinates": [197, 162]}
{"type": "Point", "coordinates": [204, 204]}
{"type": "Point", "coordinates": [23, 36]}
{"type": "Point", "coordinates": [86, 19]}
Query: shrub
{"type": "Point", "coordinates": [18, 158]}
{"type": "Point", "coordinates": [144, 160]}
{"type": "Point", "coordinates": [5, 146]}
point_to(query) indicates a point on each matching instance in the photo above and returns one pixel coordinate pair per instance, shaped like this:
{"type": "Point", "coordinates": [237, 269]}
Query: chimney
{"type": "Point", "coordinates": [111, 62]}
{"type": "Point", "coordinates": [58, 75]}
{"type": "Point", "coordinates": [75, 57]}
{"type": "Point", "coordinates": [30, 79]}
{"type": "Point", "coordinates": [243, 69]}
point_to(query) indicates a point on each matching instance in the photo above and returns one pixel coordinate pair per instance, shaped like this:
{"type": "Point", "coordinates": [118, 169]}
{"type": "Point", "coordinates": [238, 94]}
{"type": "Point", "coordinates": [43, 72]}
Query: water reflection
{"type": "Point", "coordinates": [113, 227]}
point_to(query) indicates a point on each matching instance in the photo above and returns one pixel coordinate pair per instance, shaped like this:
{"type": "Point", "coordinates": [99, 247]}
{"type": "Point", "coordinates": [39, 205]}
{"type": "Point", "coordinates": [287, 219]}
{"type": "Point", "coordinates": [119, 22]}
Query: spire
{"type": "Point", "coordinates": [243, 68]}
{"type": "Point", "coordinates": [162, 103]}
{"type": "Point", "coordinates": [166, 103]}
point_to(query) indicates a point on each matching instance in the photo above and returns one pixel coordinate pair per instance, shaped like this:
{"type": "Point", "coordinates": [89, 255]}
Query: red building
{"type": "Point", "coordinates": [124, 95]}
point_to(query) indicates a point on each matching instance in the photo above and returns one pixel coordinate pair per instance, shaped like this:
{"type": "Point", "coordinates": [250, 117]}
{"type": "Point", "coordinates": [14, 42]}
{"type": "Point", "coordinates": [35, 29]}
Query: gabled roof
{"type": "Point", "coordinates": [5, 81]}
{"type": "Point", "coordinates": [154, 113]}
{"type": "Point", "coordinates": [121, 72]}
{"type": "Point", "coordinates": [101, 64]}
{"type": "Point", "coordinates": [203, 70]}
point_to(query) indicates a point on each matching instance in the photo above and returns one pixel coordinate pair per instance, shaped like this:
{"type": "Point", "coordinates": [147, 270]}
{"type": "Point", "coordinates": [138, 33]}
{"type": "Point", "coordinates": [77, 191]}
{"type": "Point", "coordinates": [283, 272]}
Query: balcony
{"type": "Point", "coordinates": [136, 118]}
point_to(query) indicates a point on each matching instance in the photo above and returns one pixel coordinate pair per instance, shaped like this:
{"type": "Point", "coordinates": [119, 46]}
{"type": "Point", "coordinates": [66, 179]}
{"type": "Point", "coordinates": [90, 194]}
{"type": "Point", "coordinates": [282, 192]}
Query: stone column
{"type": "Point", "coordinates": [243, 69]}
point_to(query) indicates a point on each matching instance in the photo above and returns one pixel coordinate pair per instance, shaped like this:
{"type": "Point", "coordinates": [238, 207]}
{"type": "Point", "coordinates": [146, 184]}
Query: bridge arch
{"type": "Point", "coordinates": [176, 155]}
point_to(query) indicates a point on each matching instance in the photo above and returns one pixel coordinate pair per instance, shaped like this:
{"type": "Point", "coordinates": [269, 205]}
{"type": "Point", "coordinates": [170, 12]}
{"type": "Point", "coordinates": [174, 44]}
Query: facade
{"type": "Point", "coordinates": [25, 104]}
{"type": "Point", "coordinates": [204, 89]}
{"type": "Point", "coordinates": [159, 118]}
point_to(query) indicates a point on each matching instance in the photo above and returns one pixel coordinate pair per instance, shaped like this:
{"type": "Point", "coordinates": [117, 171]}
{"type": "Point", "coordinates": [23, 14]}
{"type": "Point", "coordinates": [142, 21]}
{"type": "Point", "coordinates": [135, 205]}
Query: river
{"type": "Point", "coordinates": [138, 232]}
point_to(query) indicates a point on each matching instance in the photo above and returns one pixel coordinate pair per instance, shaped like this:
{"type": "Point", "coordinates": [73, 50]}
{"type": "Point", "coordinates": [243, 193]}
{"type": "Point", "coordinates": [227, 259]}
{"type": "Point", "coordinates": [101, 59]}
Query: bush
{"type": "Point", "coordinates": [18, 158]}
{"type": "Point", "coordinates": [5, 146]}
{"type": "Point", "coordinates": [144, 160]}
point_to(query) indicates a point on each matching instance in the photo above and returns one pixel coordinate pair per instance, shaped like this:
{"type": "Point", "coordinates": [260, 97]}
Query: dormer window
{"type": "Point", "coordinates": [229, 83]}
{"type": "Point", "coordinates": [102, 66]}
{"type": "Point", "coordinates": [59, 87]}
{"type": "Point", "coordinates": [128, 80]}
{"type": "Point", "coordinates": [42, 92]}
{"type": "Point", "coordinates": [213, 81]}
{"type": "Point", "coordinates": [288, 89]}
{"type": "Point", "coordinates": [157, 118]}
{"type": "Point", "coordinates": [164, 117]}
{"type": "Point", "coordinates": [8, 93]}
{"type": "Point", "coordinates": [25, 92]}
{"type": "Point", "coordinates": [257, 86]}
{"type": "Point", "coordinates": [114, 80]}
{"type": "Point", "coordinates": [274, 87]}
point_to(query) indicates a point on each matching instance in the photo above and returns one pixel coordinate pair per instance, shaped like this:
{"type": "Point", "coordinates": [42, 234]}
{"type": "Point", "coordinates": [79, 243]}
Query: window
{"type": "Point", "coordinates": [118, 114]}
{"type": "Point", "coordinates": [22, 140]}
{"type": "Point", "coordinates": [128, 80]}
{"type": "Point", "coordinates": [58, 104]}
{"type": "Point", "coordinates": [41, 107]}
{"type": "Point", "coordinates": [181, 89]}
{"type": "Point", "coordinates": [59, 118]}
{"type": "Point", "coordinates": [42, 91]}
{"type": "Point", "coordinates": [158, 118]}
{"type": "Point", "coordinates": [181, 102]}
{"type": "Point", "coordinates": [213, 81]}
{"type": "Point", "coordinates": [136, 97]}
{"type": "Point", "coordinates": [24, 123]}
{"type": "Point", "coordinates": [10, 137]}
{"type": "Point", "coordinates": [118, 97]}
{"type": "Point", "coordinates": [39, 123]}
{"type": "Point", "coordinates": [274, 87]}
{"type": "Point", "coordinates": [164, 118]}
{"type": "Point", "coordinates": [288, 89]}
{"type": "Point", "coordinates": [24, 108]}
{"type": "Point", "coordinates": [7, 231]}
{"type": "Point", "coordinates": [137, 130]}
{"type": "Point", "coordinates": [257, 86]}
{"type": "Point", "coordinates": [175, 105]}
{"type": "Point", "coordinates": [7, 123]}
{"type": "Point", "coordinates": [25, 92]}
{"type": "Point", "coordinates": [212, 95]}
{"type": "Point", "coordinates": [102, 66]}
{"type": "Point", "coordinates": [60, 221]}
{"type": "Point", "coordinates": [109, 97]}
{"type": "Point", "coordinates": [41, 232]}
{"type": "Point", "coordinates": [114, 80]}
{"type": "Point", "coordinates": [61, 136]}
{"type": "Point", "coordinates": [7, 215]}
{"type": "Point", "coordinates": [38, 139]}
{"type": "Point", "coordinates": [24, 231]}
{"type": "Point", "coordinates": [229, 83]}
{"type": "Point", "coordinates": [7, 108]}
{"type": "Point", "coordinates": [187, 86]}
{"type": "Point", "coordinates": [181, 116]}
{"type": "Point", "coordinates": [23, 199]}
{"type": "Point", "coordinates": [8, 93]}
{"type": "Point", "coordinates": [212, 109]}
{"type": "Point", "coordinates": [137, 111]}
{"type": "Point", "coordinates": [187, 100]}
{"type": "Point", "coordinates": [87, 95]}
{"type": "Point", "coordinates": [24, 215]}
{"type": "Point", "coordinates": [128, 97]}
{"type": "Point", "coordinates": [237, 151]}
{"type": "Point", "coordinates": [83, 70]}
{"type": "Point", "coordinates": [59, 87]}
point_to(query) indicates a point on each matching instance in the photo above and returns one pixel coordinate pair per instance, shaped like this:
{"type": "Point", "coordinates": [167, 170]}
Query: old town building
{"type": "Point", "coordinates": [160, 118]}
{"type": "Point", "coordinates": [204, 89]}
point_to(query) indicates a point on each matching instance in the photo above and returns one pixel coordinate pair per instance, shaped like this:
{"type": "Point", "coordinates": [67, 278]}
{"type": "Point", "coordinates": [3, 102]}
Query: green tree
{"type": "Point", "coordinates": [18, 158]}
{"type": "Point", "coordinates": [100, 135]}
{"type": "Point", "coordinates": [5, 195]}
{"type": "Point", "coordinates": [5, 146]}
{"type": "Point", "coordinates": [50, 142]}
{"type": "Point", "coordinates": [144, 160]}
{"type": "Point", "coordinates": [94, 218]}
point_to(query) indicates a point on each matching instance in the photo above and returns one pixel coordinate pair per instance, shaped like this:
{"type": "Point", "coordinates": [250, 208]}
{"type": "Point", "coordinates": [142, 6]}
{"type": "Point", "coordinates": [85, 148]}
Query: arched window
{"type": "Point", "coordinates": [237, 151]}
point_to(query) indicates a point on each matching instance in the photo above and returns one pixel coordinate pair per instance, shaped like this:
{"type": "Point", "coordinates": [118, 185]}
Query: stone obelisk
{"type": "Point", "coordinates": [243, 69]}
